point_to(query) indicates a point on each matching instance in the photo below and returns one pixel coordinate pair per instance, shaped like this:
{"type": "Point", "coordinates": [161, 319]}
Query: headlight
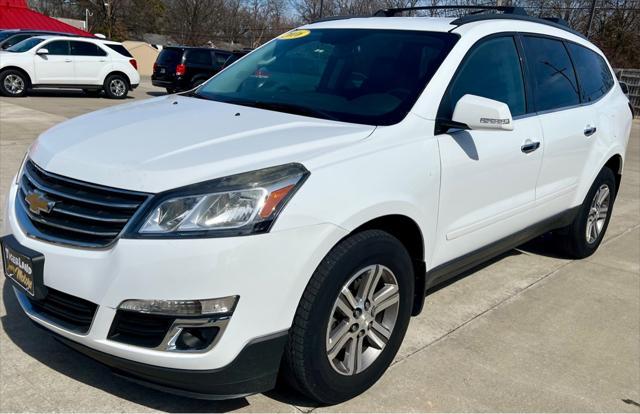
{"type": "Point", "coordinates": [237, 205]}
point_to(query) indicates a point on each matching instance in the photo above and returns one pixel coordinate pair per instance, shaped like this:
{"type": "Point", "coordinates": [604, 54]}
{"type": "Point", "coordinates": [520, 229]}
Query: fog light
{"type": "Point", "coordinates": [200, 307]}
{"type": "Point", "coordinates": [196, 339]}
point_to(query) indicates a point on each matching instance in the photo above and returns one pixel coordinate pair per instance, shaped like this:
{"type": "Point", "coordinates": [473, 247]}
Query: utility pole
{"type": "Point", "coordinates": [321, 7]}
{"type": "Point", "coordinates": [87, 13]}
{"type": "Point", "coordinates": [591, 15]}
{"type": "Point", "coordinates": [107, 5]}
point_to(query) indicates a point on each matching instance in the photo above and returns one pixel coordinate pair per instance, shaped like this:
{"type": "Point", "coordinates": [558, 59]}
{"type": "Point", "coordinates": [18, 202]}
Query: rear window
{"type": "Point", "coordinates": [120, 49]}
{"type": "Point", "coordinates": [199, 57]}
{"type": "Point", "coordinates": [169, 57]}
{"type": "Point", "coordinates": [593, 72]}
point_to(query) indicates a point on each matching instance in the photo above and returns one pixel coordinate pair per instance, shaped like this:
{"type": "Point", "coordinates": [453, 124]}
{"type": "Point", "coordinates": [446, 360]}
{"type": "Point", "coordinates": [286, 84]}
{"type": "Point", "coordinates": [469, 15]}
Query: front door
{"type": "Point", "coordinates": [488, 178]}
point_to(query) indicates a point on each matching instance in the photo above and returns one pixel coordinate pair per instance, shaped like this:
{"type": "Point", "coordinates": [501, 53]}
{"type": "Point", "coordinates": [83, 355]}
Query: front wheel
{"type": "Point", "coordinates": [13, 83]}
{"type": "Point", "coordinates": [582, 238]}
{"type": "Point", "coordinates": [116, 87]}
{"type": "Point", "coordinates": [351, 319]}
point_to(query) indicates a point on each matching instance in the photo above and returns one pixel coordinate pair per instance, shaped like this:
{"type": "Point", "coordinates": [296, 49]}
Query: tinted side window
{"type": "Point", "coordinates": [120, 49]}
{"type": "Point", "coordinates": [86, 49]}
{"type": "Point", "coordinates": [491, 70]}
{"type": "Point", "coordinates": [199, 57]}
{"type": "Point", "coordinates": [58, 47]}
{"type": "Point", "coordinates": [593, 73]}
{"type": "Point", "coordinates": [553, 76]}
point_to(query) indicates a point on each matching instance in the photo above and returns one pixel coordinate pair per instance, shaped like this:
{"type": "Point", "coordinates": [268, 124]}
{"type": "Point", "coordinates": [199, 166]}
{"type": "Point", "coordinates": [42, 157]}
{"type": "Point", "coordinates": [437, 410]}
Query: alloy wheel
{"type": "Point", "coordinates": [598, 213]}
{"type": "Point", "coordinates": [362, 319]}
{"type": "Point", "coordinates": [117, 87]}
{"type": "Point", "coordinates": [14, 84]}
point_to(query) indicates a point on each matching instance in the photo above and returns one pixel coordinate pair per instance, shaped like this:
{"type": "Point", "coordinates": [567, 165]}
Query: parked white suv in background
{"type": "Point", "coordinates": [288, 216]}
{"type": "Point", "coordinates": [68, 62]}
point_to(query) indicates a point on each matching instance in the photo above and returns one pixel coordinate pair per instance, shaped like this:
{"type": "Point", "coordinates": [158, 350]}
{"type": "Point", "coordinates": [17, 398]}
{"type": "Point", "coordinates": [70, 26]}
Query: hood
{"type": "Point", "coordinates": [172, 141]}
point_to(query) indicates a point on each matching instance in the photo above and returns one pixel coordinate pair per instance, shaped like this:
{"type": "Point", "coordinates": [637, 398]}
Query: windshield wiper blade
{"type": "Point", "coordinates": [290, 108]}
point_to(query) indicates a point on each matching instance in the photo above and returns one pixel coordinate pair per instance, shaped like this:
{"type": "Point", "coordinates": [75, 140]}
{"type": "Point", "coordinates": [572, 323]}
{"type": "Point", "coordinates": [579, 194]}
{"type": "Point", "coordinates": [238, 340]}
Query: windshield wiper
{"type": "Point", "coordinates": [290, 108]}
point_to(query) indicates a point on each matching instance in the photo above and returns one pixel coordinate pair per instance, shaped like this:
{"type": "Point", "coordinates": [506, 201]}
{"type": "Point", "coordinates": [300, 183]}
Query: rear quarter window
{"type": "Point", "coordinates": [199, 57]}
{"type": "Point", "coordinates": [120, 49]}
{"type": "Point", "coordinates": [594, 75]}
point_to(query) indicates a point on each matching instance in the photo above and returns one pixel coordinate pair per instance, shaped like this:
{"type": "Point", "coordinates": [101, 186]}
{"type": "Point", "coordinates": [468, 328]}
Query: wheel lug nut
{"type": "Point", "coordinates": [354, 327]}
{"type": "Point", "coordinates": [357, 313]}
{"type": "Point", "coordinates": [367, 305]}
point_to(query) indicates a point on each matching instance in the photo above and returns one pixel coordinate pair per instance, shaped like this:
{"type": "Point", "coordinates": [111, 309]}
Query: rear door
{"type": "Point", "coordinates": [56, 67]}
{"type": "Point", "coordinates": [488, 178]}
{"type": "Point", "coordinates": [569, 128]}
{"type": "Point", "coordinates": [89, 62]}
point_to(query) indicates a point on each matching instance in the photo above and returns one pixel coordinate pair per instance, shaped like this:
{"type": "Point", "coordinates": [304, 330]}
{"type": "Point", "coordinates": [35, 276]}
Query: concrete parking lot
{"type": "Point", "coordinates": [527, 332]}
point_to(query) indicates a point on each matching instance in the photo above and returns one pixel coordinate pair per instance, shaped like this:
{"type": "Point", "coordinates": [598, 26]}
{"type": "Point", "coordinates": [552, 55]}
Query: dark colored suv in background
{"type": "Point", "coordinates": [180, 68]}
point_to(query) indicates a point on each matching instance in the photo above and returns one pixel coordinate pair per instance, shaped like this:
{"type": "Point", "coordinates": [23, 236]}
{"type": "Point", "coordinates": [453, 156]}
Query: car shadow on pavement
{"type": "Point", "coordinates": [156, 93]}
{"type": "Point", "coordinates": [67, 93]}
{"type": "Point", "coordinates": [45, 349]}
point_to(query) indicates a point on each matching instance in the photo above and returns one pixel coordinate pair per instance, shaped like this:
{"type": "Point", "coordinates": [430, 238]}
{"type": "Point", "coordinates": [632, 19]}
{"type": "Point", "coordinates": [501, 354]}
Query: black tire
{"type": "Point", "coordinates": [306, 364]}
{"type": "Point", "coordinates": [572, 241]}
{"type": "Point", "coordinates": [15, 78]}
{"type": "Point", "coordinates": [116, 87]}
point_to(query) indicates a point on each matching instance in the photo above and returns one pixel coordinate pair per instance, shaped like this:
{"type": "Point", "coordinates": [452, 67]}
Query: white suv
{"type": "Point", "coordinates": [288, 216]}
{"type": "Point", "coordinates": [68, 62]}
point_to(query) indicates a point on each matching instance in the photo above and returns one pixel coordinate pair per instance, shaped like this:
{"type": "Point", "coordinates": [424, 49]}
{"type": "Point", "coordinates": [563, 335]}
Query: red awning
{"type": "Point", "coordinates": [14, 14]}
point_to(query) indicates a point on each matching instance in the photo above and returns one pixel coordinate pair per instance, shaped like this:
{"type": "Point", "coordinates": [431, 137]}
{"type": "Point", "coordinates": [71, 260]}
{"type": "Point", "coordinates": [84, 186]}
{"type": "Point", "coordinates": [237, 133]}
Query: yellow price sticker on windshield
{"type": "Point", "coordinates": [294, 34]}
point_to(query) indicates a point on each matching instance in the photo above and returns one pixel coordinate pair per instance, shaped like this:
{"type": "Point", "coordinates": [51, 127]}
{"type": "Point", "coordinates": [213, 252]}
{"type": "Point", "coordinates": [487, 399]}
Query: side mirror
{"type": "Point", "coordinates": [477, 112]}
{"type": "Point", "coordinates": [624, 87]}
{"type": "Point", "coordinates": [42, 51]}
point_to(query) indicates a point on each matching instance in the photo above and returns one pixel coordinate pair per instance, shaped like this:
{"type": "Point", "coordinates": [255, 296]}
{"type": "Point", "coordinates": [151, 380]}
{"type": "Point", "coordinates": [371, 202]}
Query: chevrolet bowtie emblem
{"type": "Point", "coordinates": [39, 203]}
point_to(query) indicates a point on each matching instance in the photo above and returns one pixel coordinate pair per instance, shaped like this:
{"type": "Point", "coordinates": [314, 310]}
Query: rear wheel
{"type": "Point", "coordinates": [116, 87]}
{"type": "Point", "coordinates": [13, 83]}
{"type": "Point", "coordinates": [351, 319]}
{"type": "Point", "coordinates": [582, 238]}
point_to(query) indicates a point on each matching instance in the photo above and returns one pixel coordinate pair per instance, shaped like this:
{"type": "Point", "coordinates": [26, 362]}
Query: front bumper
{"type": "Point", "coordinates": [254, 370]}
{"type": "Point", "coordinates": [268, 272]}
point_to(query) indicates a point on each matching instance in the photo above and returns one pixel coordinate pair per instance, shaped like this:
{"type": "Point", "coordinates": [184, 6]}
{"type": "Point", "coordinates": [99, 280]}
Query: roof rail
{"type": "Point", "coordinates": [478, 9]}
{"type": "Point", "coordinates": [549, 21]}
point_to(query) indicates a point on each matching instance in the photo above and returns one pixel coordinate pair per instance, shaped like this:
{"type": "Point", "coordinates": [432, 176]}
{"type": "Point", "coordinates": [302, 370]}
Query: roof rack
{"type": "Point", "coordinates": [548, 21]}
{"type": "Point", "coordinates": [478, 14]}
{"type": "Point", "coordinates": [478, 9]}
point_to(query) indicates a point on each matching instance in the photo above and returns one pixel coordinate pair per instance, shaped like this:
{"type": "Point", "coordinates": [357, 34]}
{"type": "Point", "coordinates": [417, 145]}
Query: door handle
{"type": "Point", "coordinates": [590, 130]}
{"type": "Point", "coordinates": [67, 60]}
{"type": "Point", "coordinates": [529, 147]}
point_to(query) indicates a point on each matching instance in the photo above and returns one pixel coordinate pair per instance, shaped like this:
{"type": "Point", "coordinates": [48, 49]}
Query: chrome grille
{"type": "Point", "coordinates": [83, 214]}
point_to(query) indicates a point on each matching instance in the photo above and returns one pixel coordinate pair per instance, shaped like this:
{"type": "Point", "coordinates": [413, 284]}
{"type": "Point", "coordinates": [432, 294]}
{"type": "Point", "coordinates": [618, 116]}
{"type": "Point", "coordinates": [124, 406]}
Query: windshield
{"type": "Point", "coordinates": [353, 75]}
{"type": "Point", "coordinates": [5, 34]}
{"type": "Point", "coordinates": [25, 45]}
